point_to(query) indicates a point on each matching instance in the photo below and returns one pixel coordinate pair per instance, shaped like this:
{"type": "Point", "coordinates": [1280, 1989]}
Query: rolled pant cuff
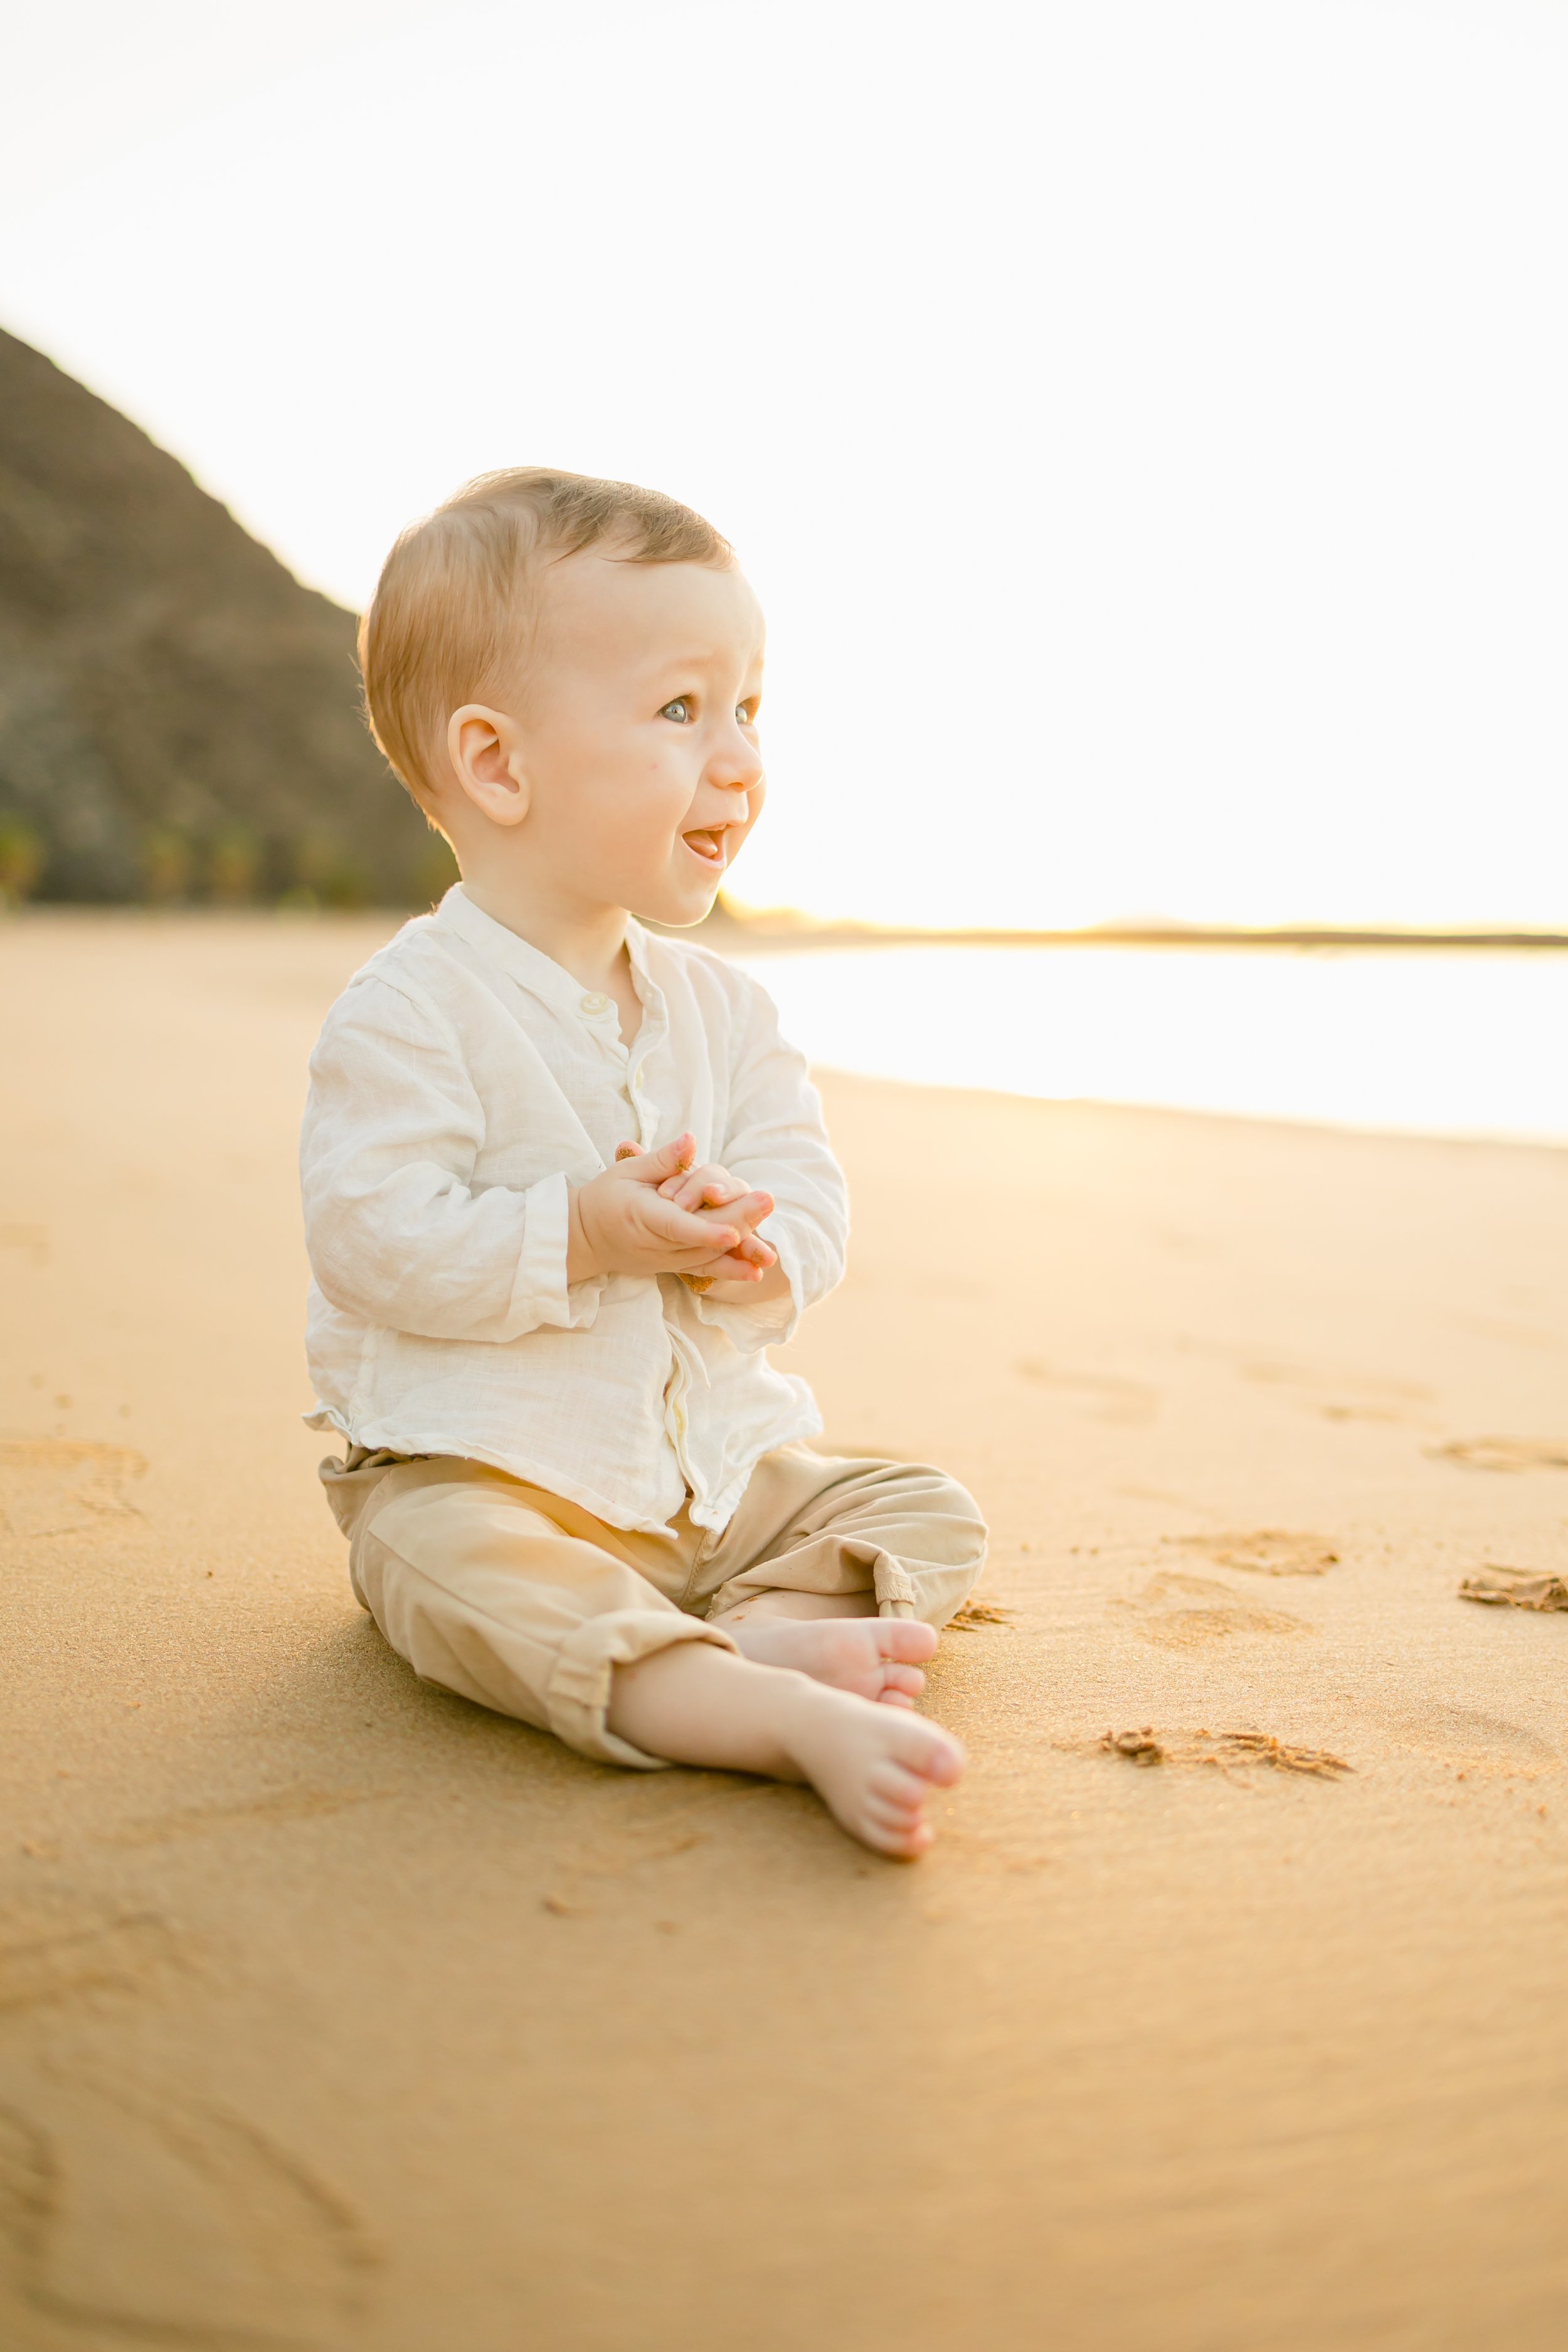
{"type": "Point", "coordinates": [577, 1696]}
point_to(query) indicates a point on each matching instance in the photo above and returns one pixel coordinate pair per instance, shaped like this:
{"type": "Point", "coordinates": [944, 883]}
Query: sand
{"type": "Point", "coordinates": [334, 2012]}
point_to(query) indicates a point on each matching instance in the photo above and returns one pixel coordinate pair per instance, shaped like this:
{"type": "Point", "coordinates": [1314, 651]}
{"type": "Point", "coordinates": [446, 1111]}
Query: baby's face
{"type": "Point", "coordinates": [639, 734]}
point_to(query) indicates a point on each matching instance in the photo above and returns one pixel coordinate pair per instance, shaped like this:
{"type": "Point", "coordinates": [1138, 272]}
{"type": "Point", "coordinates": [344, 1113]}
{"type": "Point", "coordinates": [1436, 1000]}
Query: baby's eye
{"type": "Point", "coordinates": [744, 713]}
{"type": "Point", "coordinates": [679, 709]}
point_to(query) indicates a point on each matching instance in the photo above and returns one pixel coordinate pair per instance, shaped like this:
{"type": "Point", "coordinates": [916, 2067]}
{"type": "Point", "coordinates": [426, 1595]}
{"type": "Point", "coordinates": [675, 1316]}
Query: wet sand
{"type": "Point", "coordinates": [336, 2013]}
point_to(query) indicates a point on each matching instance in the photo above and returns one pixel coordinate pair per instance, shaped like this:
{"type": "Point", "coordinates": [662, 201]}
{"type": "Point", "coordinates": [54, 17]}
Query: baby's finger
{"type": "Point", "coordinates": [736, 1253]}
{"type": "Point", "coordinates": [748, 1209]}
{"type": "Point", "coordinates": [732, 1268]}
{"type": "Point", "coordinates": [681, 1231]}
{"type": "Point", "coordinates": [713, 1197]}
{"type": "Point", "coordinates": [709, 1187]}
{"type": "Point", "coordinates": [669, 1160]}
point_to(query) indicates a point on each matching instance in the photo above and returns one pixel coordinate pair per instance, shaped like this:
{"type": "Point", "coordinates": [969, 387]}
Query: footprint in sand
{"type": "Point", "coordinates": [1103, 1397]}
{"type": "Point", "coordinates": [1193, 1612]}
{"type": "Point", "coordinates": [1335, 1393]}
{"type": "Point", "coordinates": [129, 2215]}
{"type": "Point", "coordinates": [1230, 1750]}
{"type": "Point", "coordinates": [973, 1613]}
{"type": "Point", "coordinates": [1516, 1588]}
{"type": "Point", "coordinates": [282, 1805]}
{"type": "Point", "coordinates": [64, 1486]}
{"type": "Point", "coordinates": [1504, 1453]}
{"type": "Point", "coordinates": [1464, 1735]}
{"type": "Point", "coordinates": [52, 1948]}
{"type": "Point", "coordinates": [1265, 1551]}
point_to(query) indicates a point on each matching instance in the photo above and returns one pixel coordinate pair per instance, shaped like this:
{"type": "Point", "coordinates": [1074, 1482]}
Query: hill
{"type": "Point", "coordinates": [179, 718]}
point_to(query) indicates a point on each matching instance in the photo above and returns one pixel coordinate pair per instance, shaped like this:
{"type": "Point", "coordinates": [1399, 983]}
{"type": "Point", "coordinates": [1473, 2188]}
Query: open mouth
{"type": "Point", "coordinates": [707, 843]}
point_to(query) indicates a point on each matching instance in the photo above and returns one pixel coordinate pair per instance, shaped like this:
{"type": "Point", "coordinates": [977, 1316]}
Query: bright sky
{"type": "Point", "coordinates": [1144, 419]}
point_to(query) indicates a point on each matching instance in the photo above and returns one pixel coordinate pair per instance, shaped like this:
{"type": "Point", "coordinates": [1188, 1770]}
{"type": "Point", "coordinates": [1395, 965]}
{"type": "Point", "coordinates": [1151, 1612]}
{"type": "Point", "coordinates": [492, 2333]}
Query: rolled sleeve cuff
{"type": "Point", "coordinates": [577, 1696]}
{"type": "Point", "coordinates": [541, 1293]}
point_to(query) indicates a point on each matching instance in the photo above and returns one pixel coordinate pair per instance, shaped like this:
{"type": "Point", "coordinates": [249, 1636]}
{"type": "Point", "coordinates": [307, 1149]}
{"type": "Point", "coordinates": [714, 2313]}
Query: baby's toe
{"type": "Point", "coordinates": [906, 1638]}
{"type": "Point", "coordinates": [904, 1842]}
{"type": "Point", "coordinates": [893, 1830]}
{"type": "Point", "coordinates": [944, 1759]}
{"type": "Point", "coordinates": [895, 1786]}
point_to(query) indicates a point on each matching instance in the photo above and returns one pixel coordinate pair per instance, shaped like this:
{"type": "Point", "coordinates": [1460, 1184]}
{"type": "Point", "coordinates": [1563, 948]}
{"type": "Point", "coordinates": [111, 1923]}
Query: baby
{"type": "Point", "coordinates": [566, 1185]}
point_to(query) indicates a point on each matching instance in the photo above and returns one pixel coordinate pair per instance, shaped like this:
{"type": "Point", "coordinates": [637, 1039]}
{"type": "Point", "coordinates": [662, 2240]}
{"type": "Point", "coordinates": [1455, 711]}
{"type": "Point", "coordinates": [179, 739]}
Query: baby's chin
{"type": "Point", "coordinates": [679, 900]}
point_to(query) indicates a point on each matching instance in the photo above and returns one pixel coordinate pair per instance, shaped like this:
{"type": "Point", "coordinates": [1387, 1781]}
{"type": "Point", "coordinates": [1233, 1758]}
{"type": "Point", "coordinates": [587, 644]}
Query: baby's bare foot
{"type": "Point", "coordinates": [874, 1656]}
{"type": "Point", "coordinates": [875, 1768]}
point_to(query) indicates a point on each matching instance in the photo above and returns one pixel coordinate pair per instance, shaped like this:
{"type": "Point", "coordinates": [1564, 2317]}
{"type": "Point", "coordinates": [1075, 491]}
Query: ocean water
{"type": "Point", "coordinates": [1436, 1041]}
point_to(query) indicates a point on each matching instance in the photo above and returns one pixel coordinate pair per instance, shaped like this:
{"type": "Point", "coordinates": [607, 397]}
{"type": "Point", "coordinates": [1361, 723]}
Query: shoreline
{"type": "Point", "coordinates": [767, 932]}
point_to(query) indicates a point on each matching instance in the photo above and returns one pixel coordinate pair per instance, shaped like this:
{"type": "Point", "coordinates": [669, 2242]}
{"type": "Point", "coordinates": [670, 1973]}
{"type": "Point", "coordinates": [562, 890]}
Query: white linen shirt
{"type": "Point", "coordinates": [462, 1086]}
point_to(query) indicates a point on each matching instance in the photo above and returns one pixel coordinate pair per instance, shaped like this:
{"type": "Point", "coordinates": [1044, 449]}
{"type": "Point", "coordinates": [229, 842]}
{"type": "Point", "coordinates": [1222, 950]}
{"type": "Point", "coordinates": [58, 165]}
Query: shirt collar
{"type": "Point", "coordinates": [529, 966]}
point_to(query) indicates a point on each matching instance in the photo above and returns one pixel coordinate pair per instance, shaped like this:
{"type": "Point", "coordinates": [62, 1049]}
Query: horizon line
{"type": "Point", "coordinates": [787, 927]}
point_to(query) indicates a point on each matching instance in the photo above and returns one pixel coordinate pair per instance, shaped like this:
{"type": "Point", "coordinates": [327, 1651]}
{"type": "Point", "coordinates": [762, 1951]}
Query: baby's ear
{"type": "Point", "coordinates": [487, 761]}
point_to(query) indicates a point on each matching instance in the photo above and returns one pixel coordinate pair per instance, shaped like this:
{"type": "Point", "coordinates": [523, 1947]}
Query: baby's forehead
{"type": "Point", "coordinates": [600, 597]}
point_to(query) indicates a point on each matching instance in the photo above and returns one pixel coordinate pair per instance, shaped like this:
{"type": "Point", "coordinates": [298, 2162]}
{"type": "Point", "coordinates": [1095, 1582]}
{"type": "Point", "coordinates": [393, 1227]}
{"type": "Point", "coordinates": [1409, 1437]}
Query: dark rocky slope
{"type": "Point", "coordinates": [179, 718]}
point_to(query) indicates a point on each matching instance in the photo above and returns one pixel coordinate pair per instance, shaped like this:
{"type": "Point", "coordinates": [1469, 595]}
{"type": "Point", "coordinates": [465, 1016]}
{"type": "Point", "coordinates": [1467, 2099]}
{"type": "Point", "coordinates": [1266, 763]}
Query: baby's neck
{"type": "Point", "coordinates": [588, 941]}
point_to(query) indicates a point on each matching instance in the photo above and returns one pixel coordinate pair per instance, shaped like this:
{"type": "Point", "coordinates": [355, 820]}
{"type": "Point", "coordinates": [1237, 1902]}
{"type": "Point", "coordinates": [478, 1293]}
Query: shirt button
{"type": "Point", "coordinates": [595, 1005]}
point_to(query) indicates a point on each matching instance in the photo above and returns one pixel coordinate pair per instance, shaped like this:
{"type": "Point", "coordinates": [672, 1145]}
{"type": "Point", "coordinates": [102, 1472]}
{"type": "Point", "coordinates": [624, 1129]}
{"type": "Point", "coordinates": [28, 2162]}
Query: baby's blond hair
{"type": "Point", "coordinates": [450, 621]}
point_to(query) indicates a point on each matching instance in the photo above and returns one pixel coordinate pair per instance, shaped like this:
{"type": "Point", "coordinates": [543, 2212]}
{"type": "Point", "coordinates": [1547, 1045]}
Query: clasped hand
{"type": "Point", "coordinates": [654, 1213]}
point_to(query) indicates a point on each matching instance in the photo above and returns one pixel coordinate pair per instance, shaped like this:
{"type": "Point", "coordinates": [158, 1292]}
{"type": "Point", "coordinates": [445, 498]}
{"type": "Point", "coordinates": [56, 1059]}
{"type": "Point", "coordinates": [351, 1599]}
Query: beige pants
{"type": "Point", "coordinates": [525, 1603]}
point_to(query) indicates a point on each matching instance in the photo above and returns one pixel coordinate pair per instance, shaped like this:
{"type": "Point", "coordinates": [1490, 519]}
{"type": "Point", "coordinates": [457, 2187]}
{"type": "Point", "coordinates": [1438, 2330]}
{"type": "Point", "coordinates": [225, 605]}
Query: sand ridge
{"type": "Point", "coordinates": [336, 2013]}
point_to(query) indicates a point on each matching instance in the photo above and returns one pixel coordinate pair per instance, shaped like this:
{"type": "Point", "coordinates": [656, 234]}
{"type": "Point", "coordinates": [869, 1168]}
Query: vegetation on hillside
{"type": "Point", "coordinates": [179, 718]}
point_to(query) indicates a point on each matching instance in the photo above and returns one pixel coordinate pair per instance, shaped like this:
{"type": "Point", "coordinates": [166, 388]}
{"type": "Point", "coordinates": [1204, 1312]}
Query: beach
{"type": "Point", "coordinates": [1227, 2013]}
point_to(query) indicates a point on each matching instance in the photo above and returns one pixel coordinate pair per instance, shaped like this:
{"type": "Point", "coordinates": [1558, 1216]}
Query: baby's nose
{"type": "Point", "coordinates": [739, 768]}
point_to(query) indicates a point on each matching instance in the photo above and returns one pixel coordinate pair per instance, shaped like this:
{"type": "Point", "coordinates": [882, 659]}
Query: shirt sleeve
{"type": "Point", "coordinates": [775, 1139]}
{"type": "Point", "coordinates": [397, 1232]}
